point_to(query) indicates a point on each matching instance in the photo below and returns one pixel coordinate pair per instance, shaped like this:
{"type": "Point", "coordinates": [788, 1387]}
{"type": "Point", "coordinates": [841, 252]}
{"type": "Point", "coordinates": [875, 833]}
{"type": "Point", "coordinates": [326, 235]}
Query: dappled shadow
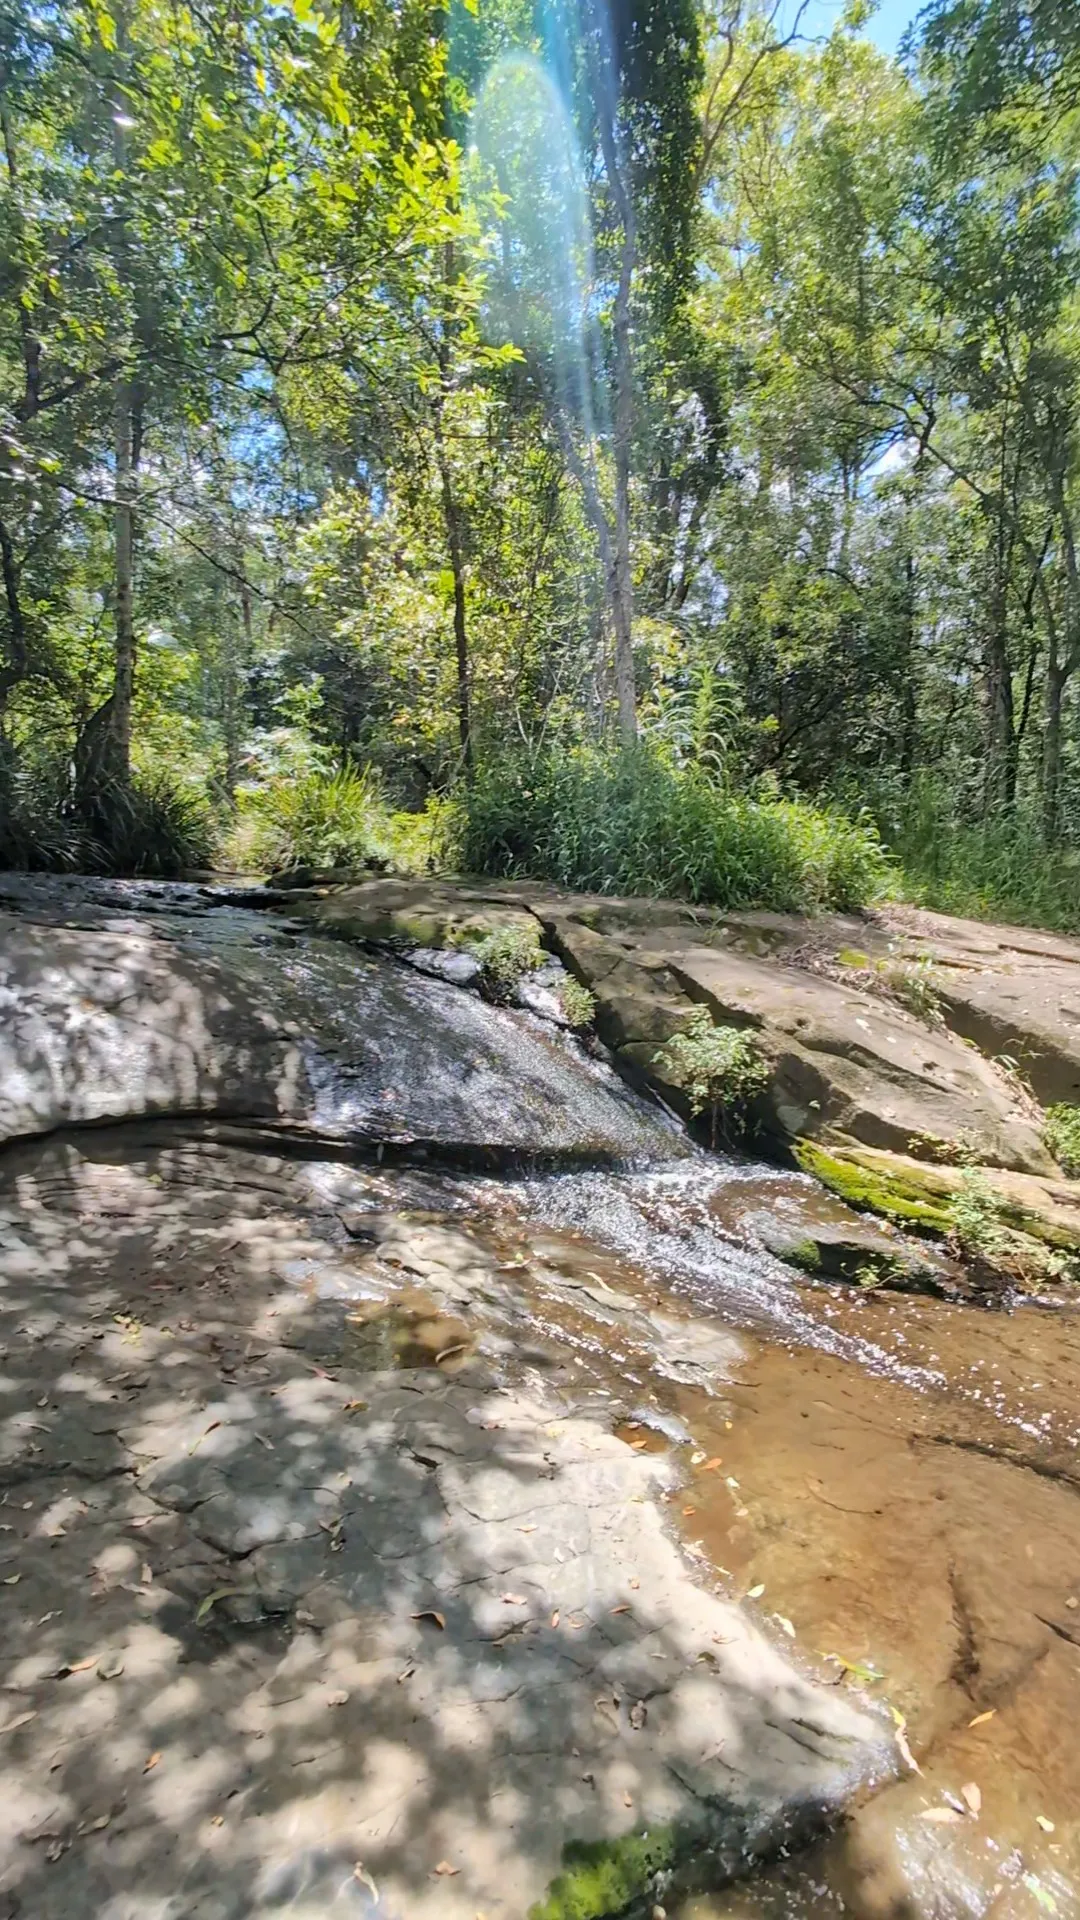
{"type": "Point", "coordinates": [284, 1635]}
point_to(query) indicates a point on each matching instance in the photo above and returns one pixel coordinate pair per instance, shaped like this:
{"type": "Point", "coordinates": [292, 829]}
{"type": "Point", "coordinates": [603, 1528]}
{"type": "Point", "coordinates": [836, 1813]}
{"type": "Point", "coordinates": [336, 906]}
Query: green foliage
{"type": "Point", "coordinates": [578, 1003]}
{"type": "Point", "coordinates": [976, 1222]}
{"type": "Point", "coordinates": [33, 835]}
{"type": "Point", "coordinates": [601, 1878]}
{"type": "Point", "coordinates": [1000, 869]}
{"type": "Point", "coordinates": [720, 1070]}
{"type": "Point", "coordinates": [154, 826]}
{"type": "Point", "coordinates": [630, 822]}
{"type": "Point", "coordinates": [319, 820]}
{"type": "Point", "coordinates": [1061, 1136]}
{"type": "Point", "coordinates": [507, 954]}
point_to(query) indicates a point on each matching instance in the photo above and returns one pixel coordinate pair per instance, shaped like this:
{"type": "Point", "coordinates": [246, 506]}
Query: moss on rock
{"type": "Point", "coordinates": [602, 1878]}
{"type": "Point", "coordinates": [899, 1196]}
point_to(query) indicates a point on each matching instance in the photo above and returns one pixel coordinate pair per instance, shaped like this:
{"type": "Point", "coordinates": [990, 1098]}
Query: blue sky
{"type": "Point", "coordinates": [886, 26]}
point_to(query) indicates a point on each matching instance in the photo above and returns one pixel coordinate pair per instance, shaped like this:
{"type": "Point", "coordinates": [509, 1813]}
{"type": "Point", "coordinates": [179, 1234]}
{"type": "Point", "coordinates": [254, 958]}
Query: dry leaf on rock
{"type": "Point", "coordinates": [429, 1613]}
{"type": "Point", "coordinates": [971, 1795]}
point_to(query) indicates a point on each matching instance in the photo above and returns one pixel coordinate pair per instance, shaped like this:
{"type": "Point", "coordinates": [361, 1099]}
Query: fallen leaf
{"type": "Point", "coordinates": [152, 1762]}
{"type": "Point", "coordinates": [196, 1444]}
{"type": "Point", "coordinates": [355, 1406]}
{"type": "Point", "coordinates": [207, 1606]}
{"type": "Point", "coordinates": [555, 1618]}
{"type": "Point", "coordinates": [20, 1720]}
{"type": "Point", "coordinates": [445, 1869]}
{"type": "Point", "coordinates": [147, 1574]}
{"type": "Point", "coordinates": [785, 1624]}
{"type": "Point", "coordinates": [110, 1667]}
{"type": "Point", "coordinates": [696, 1459]}
{"type": "Point", "coordinates": [980, 1718]}
{"type": "Point", "coordinates": [76, 1666]}
{"type": "Point", "coordinates": [638, 1715]}
{"type": "Point", "coordinates": [218, 1820]}
{"type": "Point", "coordinates": [429, 1613]}
{"type": "Point", "coordinates": [711, 1465]}
{"type": "Point", "coordinates": [361, 1873]}
{"type": "Point", "coordinates": [531, 1528]}
{"type": "Point", "coordinates": [902, 1742]}
{"type": "Point", "coordinates": [1042, 1894]}
{"type": "Point", "coordinates": [687, 1510]}
{"type": "Point", "coordinates": [755, 1593]}
{"type": "Point", "coordinates": [337, 1698]}
{"type": "Point", "coordinates": [944, 1816]}
{"type": "Point", "coordinates": [1042, 1821]}
{"type": "Point", "coordinates": [514, 1599]}
{"type": "Point", "coordinates": [12, 1579]}
{"type": "Point", "coordinates": [971, 1795]}
{"type": "Point", "coordinates": [626, 1800]}
{"type": "Point", "coordinates": [624, 1608]}
{"type": "Point", "coordinates": [634, 1585]}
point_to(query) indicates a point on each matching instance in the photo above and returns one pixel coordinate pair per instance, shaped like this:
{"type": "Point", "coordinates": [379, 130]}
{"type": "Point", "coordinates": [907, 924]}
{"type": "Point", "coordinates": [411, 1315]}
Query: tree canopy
{"type": "Point", "coordinates": [416, 388]}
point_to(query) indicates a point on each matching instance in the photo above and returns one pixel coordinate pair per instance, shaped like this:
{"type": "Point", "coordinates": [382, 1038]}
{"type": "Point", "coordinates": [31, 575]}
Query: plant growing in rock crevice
{"type": "Point", "coordinates": [578, 1004]}
{"type": "Point", "coordinates": [1061, 1137]}
{"type": "Point", "coordinates": [506, 955]}
{"type": "Point", "coordinates": [719, 1069]}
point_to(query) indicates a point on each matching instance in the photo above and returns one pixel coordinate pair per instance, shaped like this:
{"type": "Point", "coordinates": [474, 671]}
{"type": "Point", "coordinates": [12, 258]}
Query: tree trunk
{"type": "Point", "coordinates": [909, 712]}
{"type": "Point", "coordinates": [17, 652]}
{"type": "Point", "coordinates": [124, 608]}
{"type": "Point", "coordinates": [622, 583]}
{"type": "Point", "coordinates": [997, 672]}
{"type": "Point", "coordinates": [1056, 676]}
{"type": "Point", "coordinates": [455, 545]}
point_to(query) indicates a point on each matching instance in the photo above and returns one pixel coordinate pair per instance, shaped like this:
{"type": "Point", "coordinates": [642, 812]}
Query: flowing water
{"type": "Point", "coordinates": [892, 1481]}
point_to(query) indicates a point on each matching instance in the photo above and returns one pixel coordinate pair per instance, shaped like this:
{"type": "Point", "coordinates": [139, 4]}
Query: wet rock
{"type": "Point", "coordinates": [445, 963]}
{"type": "Point", "coordinates": [812, 1230]}
{"type": "Point", "coordinates": [223, 1014]}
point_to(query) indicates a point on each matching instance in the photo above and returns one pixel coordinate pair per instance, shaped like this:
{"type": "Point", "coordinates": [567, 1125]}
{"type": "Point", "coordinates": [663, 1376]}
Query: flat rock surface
{"type": "Point", "coordinates": [283, 1634]}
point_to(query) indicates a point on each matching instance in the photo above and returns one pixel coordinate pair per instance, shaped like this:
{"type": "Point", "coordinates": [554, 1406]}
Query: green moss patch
{"type": "Point", "coordinates": [601, 1878]}
{"type": "Point", "coordinates": [895, 1195]}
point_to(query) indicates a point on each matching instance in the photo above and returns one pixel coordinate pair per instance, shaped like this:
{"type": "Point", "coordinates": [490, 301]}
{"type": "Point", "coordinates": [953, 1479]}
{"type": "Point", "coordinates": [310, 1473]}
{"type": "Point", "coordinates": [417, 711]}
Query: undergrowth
{"type": "Point", "coordinates": [318, 820]}
{"type": "Point", "coordinates": [154, 826]}
{"type": "Point", "coordinates": [997, 869]}
{"type": "Point", "coordinates": [633, 822]}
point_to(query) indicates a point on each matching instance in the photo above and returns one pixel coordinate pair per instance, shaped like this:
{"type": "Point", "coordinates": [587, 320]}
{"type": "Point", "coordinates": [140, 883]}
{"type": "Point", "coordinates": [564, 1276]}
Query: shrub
{"type": "Point", "coordinates": [719, 1069]}
{"type": "Point", "coordinates": [506, 955]}
{"type": "Point", "coordinates": [1061, 1136]}
{"type": "Point", "coordinates": [913, 986]}
{"type": "Point", "coordinates": [631, 822]}
{"type": "Point", "coordinates": [319, 820]}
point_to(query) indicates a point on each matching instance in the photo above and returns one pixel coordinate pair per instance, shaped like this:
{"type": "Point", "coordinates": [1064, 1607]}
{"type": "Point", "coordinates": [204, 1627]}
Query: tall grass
{"type": "Point", "coordinates": [631, 822]}
{"type": "Point", "coordinates": [998, 869]}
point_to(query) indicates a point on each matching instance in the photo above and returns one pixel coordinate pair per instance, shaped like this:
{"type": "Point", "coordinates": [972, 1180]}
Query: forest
{"type": "Point", "coordinates": [637, 446]}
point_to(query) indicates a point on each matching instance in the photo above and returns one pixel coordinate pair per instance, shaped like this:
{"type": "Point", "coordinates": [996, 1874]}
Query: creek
{"type": "Point", "coordinates": [888, 1484]}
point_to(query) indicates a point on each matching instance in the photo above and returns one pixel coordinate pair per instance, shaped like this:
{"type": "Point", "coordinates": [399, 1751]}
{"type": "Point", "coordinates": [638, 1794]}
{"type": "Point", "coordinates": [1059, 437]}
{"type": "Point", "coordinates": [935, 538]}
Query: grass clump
{"type": "Point", "coordinates": [318, 820]}
{"type": "Point", "coordinates": [578, 1003]}
{"type": "Point", "coordinates": [720, 1070]}
{"type": "Point", "coordinates": [629, 821]}
{"type": "Point", "coordinates": [1061, 1137]}
{"type": "Point", "coordinates": [155, 825]}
